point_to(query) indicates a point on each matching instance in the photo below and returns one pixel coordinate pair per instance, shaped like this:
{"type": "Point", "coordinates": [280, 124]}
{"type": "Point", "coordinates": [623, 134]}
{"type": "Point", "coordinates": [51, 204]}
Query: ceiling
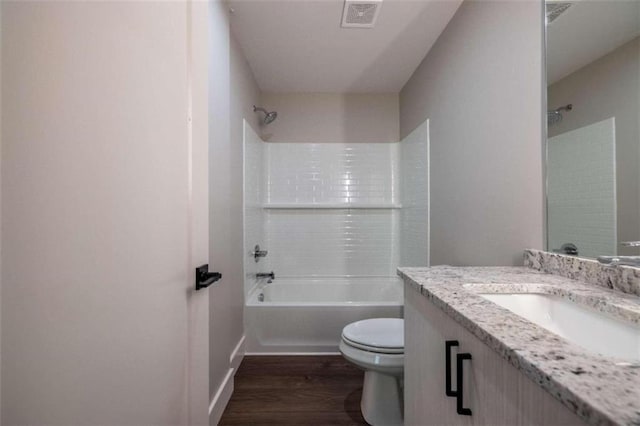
{"type": "Point", "coordinates": [587, 31]}
{"type": "Point", "coordinates": [299, 46]}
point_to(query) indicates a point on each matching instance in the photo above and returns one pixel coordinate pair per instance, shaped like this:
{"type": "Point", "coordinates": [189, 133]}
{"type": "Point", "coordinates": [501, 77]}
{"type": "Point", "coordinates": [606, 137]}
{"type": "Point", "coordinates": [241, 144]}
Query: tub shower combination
{"type": "Point", "coordinates": [332, 229]}
{"type": "Point", "coordinates": [297, 315]}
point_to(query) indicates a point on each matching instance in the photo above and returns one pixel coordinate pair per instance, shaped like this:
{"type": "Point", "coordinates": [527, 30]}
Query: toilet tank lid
{"type": "Point", "coordinates": [377, 332]}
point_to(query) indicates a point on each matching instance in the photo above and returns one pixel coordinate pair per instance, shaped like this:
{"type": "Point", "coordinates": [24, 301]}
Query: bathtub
{"type": "Point", "coordinates": [307, 315]}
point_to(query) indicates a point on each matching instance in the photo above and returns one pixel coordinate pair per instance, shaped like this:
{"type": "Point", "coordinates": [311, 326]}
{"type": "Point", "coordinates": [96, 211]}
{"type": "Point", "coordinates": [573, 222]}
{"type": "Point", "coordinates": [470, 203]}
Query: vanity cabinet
{"type": "Point", "coordinates": [494, 391]}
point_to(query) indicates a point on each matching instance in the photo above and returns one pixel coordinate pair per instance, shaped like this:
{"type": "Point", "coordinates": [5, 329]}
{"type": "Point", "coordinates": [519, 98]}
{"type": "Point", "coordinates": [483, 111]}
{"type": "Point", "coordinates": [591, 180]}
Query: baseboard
{"type": "Point", "coordinates": [237, 354]}
{"type": "Point", "coordinates": [221, 398]}
{"type": "Point", "coordinates": [223, 395]}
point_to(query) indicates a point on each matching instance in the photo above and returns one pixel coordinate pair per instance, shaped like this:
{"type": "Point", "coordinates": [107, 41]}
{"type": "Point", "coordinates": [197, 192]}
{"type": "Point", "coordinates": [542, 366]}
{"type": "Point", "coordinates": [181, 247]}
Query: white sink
{"type": "Point", "coordinates": [579, 324]}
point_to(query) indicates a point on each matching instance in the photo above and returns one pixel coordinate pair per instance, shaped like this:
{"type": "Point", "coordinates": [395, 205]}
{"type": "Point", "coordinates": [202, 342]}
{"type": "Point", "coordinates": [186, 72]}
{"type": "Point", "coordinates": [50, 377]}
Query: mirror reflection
{"type": "Point", "coordinates": [593, 146]}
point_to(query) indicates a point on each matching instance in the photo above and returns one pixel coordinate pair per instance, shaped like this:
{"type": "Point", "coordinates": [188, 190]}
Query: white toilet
{"type": "Point", "coordinates": [377, 346]}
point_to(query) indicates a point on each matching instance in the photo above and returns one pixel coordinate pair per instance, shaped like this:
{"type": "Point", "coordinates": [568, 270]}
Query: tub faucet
{"type": "Point", "coordinates": [271, 275]}
{"type": "Point", "coordinates": [620, 260]}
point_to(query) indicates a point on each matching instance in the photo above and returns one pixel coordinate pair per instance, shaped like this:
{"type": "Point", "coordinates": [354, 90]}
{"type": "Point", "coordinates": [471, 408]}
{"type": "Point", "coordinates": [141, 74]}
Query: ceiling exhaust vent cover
{"type": "Point", "coordinates": [360, 14]}
{"type": "Point", "coordinates": [556, 8]}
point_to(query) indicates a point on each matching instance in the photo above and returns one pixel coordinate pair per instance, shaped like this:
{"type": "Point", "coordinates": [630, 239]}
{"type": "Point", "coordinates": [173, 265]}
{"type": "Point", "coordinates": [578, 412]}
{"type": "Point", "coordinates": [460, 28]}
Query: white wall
{"type": "Point", "coordinates": [608, 87]}
{"type": "Point", "coordinates": [245, 94]}
{"type": "Point", "coordinates": [414, 177]}
{"type": "Point", "coordinates": [254, 214]}
{"type": "Point", "coordinates": [332, 117]}
{"type": "Point", "coordinates": [102, 213]}
{"type": "Point", "coordinates": [233, 92]}
{"type": "Point", "coordinates": [481, 88]}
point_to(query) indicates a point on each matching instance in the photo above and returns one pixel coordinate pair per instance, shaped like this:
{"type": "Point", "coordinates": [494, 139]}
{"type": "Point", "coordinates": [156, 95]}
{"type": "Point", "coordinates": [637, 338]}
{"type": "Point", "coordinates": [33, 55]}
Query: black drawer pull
{"type": "Point", "coordinates": [459, 379]}
{"type": "Point", "coordinates": [448, 344]}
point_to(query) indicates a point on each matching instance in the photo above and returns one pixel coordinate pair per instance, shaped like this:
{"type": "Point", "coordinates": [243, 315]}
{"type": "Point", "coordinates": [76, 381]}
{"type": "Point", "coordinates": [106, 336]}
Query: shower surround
{"type": "Point", "coordinates": [331, 217]}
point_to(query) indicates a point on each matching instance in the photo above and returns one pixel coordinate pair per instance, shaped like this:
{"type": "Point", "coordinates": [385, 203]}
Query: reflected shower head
{"type": "Point", "coordinates": [269, 117]}
{"type": "Point", "coordinates": [555, 116]}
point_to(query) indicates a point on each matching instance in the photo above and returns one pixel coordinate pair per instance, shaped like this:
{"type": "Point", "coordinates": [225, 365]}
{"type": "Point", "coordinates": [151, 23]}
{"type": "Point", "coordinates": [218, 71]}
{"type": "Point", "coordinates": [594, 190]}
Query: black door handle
{"type": "Point", "coordinates": [204, 278]}
{"type": "Point", "coordinates": [459, 379]}
{"type": "Point", "coordinates": [448, 344]}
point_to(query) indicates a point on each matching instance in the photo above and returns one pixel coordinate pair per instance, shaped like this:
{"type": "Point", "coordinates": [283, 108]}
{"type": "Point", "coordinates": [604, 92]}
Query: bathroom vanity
{"type": "Point", "coordinates": [469, 360]}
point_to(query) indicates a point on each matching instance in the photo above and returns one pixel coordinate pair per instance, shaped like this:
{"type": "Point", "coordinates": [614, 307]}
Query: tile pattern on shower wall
{"type": "Point", "coordinates": [332, 173]}
{"type": "Point", "coordinates": [581, 193]}
{"type": "Point", "coordinates": [414, 177]}
{"type": "Point", "coordinates": [333, 242]}
{"type": "Point", "coordinates": [254, 217]}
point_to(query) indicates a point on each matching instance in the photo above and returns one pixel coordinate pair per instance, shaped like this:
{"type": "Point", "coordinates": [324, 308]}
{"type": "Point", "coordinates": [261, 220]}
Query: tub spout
{"type": "Point", "coordinates": [271, 275]}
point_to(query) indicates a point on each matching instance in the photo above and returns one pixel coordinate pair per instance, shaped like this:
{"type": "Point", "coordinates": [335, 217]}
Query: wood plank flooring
{"type": "Point", "coordinates": [295, 390]}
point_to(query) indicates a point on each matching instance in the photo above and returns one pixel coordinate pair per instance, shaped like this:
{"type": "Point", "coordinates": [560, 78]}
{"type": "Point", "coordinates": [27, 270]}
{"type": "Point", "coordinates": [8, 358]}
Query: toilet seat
{"type": "Point", "coordinates": [374, 349]}
{"type": "Point", "coordinates": [379, 335]}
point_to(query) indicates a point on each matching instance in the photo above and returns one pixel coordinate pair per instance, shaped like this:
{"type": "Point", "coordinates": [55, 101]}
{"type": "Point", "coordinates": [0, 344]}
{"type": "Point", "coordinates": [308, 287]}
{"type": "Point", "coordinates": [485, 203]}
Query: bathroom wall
{"type": "Point", "coordinates": [608, 87]}
{"type": "Point", "coordinates": [581, 189]}
{"type": "Point", "coordinates": [414, 177]}
{"type": "Point", "coordinates": [332, 241]}
{"type": "Point", "coordinates": [232, 94]}
{"type": "Point", "coordinates": [481, 88]}
{"type": "Point", "coordinates": [332, 117]}
{"type": "Point", "coordinates": [254, 214]}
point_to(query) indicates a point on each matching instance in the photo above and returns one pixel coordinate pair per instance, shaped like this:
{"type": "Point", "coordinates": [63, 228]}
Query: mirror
{"type": "Point", "coordinates": [593, 130]}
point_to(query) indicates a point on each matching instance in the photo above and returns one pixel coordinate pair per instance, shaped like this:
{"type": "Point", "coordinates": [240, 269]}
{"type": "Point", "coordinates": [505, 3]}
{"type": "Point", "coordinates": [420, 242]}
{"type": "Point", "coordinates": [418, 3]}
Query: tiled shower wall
{"type": "Point", "coordinates": [414, 172]}
{"type": "Point", "coordinates": [359, 173]}
{"type": "Point", "coordinates": [329, 210]}
{"type": "Point", "coordinates": [581, 189]}
{"type": "Point", "coordinates": [337, 241]}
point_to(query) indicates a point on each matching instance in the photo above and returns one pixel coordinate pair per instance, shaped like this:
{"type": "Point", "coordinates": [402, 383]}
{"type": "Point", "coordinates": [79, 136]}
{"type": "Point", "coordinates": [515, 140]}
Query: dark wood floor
{"type": "Point", "coordinates": [295, 390]}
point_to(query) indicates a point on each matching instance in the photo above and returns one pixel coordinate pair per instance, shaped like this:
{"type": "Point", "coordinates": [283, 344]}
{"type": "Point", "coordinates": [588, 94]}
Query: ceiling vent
{"type": "Point", "coordinates": [556, 8]}
{"type": "Point", "coordinates": [360, 14]}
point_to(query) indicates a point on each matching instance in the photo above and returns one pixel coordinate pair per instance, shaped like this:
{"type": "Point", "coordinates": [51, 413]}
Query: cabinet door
{"type": "Point", "coordinates": [495, 391]}
{"type": "Point", "coordinates": [424, 375]}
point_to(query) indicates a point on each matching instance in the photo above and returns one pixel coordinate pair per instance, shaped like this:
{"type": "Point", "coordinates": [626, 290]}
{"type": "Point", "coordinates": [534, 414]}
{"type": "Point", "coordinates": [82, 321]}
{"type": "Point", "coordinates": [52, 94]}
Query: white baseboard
{"type": "Point", "coordinates": [221, 398]}
{"type": "Point", "coordinates": [238, 354]}
{"type": "Point", "coordinates": [224, 392]}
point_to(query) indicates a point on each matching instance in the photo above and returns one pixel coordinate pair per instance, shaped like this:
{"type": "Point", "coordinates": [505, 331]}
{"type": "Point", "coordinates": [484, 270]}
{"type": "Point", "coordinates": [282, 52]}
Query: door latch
{"type": "Point", "coordinates": [204, 278]}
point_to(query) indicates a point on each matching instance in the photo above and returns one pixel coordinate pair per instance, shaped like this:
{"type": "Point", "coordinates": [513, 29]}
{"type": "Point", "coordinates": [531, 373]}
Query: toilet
{"type": "Point", "coordinates": [377, 346]}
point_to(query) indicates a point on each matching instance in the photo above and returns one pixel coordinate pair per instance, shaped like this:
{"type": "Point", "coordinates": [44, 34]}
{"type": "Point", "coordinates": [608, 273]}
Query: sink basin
{"type": "Point", "coordinates": [582, 325]}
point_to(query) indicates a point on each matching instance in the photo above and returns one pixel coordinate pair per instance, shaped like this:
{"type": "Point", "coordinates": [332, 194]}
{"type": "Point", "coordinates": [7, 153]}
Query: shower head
{"type": "Point", "coordinates": [269, 117]}
{"type": "Point", "coordinates": [555, 116]}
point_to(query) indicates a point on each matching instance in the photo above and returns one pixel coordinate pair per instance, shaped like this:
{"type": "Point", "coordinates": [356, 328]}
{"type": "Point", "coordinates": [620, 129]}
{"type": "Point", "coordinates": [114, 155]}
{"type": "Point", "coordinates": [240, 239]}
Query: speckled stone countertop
{"type": "Point", "coordinates": [601, 390]}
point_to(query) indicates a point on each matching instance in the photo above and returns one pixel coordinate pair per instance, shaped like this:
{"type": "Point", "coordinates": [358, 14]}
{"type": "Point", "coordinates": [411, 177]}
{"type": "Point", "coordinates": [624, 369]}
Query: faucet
{"type": "Point", "coordinates": [271, 275]}
{"type": "Point", "coordinates": [622, 260]}
{"type": "Point", "coordinates": [567, 248]}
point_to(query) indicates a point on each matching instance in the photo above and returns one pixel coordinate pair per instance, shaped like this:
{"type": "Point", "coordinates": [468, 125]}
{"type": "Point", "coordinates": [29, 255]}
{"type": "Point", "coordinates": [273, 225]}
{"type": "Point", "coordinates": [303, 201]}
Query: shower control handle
{"type": "Point", "coordinates": [257, 253]}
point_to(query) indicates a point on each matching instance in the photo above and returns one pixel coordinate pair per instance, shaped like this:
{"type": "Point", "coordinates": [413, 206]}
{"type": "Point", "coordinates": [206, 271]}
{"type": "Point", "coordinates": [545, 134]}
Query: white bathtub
{"type": "Point", "coordinates": [298, 315]}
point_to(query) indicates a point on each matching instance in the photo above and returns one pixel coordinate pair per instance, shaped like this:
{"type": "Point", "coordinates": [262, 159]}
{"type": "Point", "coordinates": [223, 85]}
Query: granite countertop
{"type": "Point", "coordinates": [601, 390]}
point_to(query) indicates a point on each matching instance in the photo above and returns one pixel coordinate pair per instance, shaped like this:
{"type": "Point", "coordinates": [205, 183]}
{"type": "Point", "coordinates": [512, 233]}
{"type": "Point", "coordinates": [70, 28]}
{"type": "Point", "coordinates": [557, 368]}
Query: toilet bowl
{"type": "Point", "coordinates": [377, 346]}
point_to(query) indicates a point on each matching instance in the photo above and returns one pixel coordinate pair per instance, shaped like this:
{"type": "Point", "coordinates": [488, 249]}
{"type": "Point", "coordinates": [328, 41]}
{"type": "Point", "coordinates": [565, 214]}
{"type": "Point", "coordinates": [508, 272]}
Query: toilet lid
{"type": "Point", "coordinates": [376, 333]}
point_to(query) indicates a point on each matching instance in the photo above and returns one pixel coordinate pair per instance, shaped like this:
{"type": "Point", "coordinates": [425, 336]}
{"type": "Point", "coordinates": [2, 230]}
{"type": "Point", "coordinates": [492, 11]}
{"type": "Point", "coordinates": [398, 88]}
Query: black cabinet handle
{"type": "Point", "coordinates": [204, 278]}
{"type": "Point", "coordinates": [448, 344]}
{"type": "Point", "coordinates": [459, 379]}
